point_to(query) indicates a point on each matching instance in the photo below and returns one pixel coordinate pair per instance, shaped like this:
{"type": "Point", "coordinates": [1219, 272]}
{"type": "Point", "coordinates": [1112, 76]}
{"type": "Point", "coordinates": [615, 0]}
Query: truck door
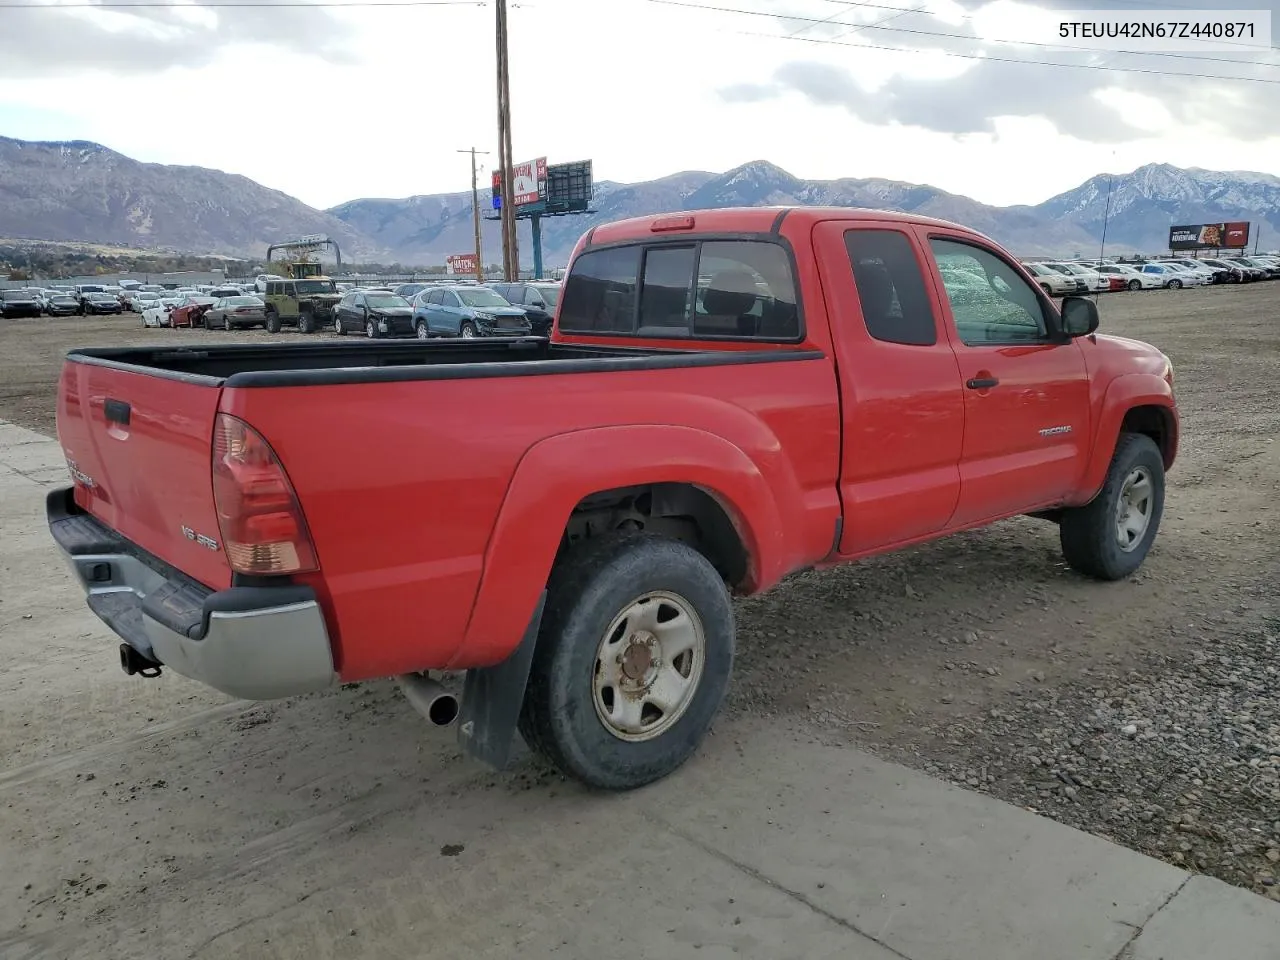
{"type": "Point", "coordinates": [902, 405]}
{"type": "Point", "coordinates": [1026, 391]}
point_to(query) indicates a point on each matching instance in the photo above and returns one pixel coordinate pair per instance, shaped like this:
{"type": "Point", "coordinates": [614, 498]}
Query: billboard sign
{"type": "Point", "coordinates": [529, 181]}
{"type": "Point", "coordinates": [1205, 236]}
{"type": "Point", "coordinates": [460, 263]}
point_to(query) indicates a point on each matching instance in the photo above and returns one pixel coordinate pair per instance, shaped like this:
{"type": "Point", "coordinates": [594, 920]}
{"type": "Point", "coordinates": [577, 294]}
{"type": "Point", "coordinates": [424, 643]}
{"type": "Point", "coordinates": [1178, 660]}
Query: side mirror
{"type": "Point", "coordinates": [1079, 316]}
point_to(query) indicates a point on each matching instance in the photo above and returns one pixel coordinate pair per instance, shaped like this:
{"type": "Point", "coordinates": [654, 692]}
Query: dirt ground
{"type": "Point", "coordinates": [1145, 711]}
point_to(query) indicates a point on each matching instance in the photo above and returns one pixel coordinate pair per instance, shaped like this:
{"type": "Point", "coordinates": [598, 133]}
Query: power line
{"type": "Point", "coordinates": [957, 36]}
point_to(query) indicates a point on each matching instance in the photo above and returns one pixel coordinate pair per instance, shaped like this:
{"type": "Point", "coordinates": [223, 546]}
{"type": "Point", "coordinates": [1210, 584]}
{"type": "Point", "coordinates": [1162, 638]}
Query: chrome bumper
{"type": "Point", "coordinates": [259, 643]}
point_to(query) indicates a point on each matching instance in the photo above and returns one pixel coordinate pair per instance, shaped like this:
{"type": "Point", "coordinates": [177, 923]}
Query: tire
{"type": "Point", "coordinates": [306, 323]}
{"type": "Point", "coordinates": [468, 330]}
{"type": "Point", "coordinates": [1135, 284]}
{"type": "Point", "coordinates": [1091, 535]}
{"type": "Point", "coordinates": [564, 713]}
{"type": "Point", "coordinates": [273, 322]}
{"type": "Point", "coordinates": [370, 329]}
{"type": "Point", "coordinates": [338, 328]}
{"type": "Point", "coordinates": [226, 323]}
{"type": "Point", "coordinates": [1048, 291]}
{"type": "Point", "coordinates": [1175, 284]}
{"type": "Point", "coordinates": [420, 328]}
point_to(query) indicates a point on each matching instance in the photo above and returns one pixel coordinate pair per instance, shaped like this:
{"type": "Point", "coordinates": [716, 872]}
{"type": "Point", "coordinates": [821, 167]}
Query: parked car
{"type": "Point", "coordinates": [409, 290]}
{"type": "Point", "coordinates": [100, 304]}
{"type": "Point", "coordinates": [1056, 283]}
{"type": "Point", "coordinates": [374, 314]}
{"type": "Point", "coordinates": [538, 300]}
{"type": "Point", "coordinates": [18, 303]}
{"type": "Point", "coordinates": [156, 314]}
{"type": "Point", "coordinates": [1131, 277]}
{"type": "Point", "coordinates": [1214, 274]}
{"type": "Point", "coordinates": [235, 312]}
{"type": "Point", "coordinates": [59, 304]}
{"type": "Point", "coordinates": [1171, 276]}
{"type": "Point", "coordinates": [227, 290]}
{"type": "Point", "coordinates": [1236, 273]}
{"type": "Point", "coordinates": [571, 517]}
{"type": "Point", "coordinates": [190, 312]}
{"type": "Point", "coordinates": [467, 311]}
{"type": "Point", "coordinates": [1095, 281]}
{"type": "Point", "coordinates": [138, 300]}
{"type": "Point", "coordinates": [84, 289]}
{"type": "Point", "coordinates": [1262, 271]}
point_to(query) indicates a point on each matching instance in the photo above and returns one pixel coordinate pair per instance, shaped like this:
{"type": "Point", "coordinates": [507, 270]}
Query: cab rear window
{"type": "Point", "coordinates": [704, 290]}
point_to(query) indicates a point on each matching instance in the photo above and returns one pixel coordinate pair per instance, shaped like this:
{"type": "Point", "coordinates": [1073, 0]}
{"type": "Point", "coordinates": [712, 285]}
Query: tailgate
{"type": "Point", "coordinates": [138, 446]}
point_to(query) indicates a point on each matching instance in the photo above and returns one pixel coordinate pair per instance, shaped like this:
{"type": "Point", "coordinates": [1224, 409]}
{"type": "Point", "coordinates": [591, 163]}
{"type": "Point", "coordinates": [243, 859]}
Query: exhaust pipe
{"type": "Point", "coordinates": [134, 663]}
{"type": "Point", "coordinates": [429, 698]}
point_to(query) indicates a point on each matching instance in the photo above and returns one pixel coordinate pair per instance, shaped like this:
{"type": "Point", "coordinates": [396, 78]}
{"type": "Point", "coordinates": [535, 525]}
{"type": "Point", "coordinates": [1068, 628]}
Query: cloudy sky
{"type": "Point", "coordinates": [338, 101]}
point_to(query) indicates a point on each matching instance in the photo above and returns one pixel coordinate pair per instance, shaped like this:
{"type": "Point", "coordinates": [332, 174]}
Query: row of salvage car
{"type": "Point", "coordinates": [1061, 278]}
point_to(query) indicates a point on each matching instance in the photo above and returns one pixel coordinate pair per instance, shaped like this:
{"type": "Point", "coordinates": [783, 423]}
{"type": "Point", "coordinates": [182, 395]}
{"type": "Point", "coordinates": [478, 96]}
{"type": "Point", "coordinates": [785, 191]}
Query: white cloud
{"type": "Point", "coordinates": [329, 105]}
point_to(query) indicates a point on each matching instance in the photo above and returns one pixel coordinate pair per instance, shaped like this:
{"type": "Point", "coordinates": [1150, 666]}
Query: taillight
{"type": "Point", "coordinates": [263, 530]}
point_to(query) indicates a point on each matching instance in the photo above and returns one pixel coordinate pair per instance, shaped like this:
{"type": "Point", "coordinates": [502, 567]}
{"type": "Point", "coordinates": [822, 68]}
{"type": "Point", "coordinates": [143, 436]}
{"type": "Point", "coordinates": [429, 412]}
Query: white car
{"type": "Point", "coordinates": [1172, 277]}
{"type": "Point", "coordinates": [1095, 281]}
{"type": "Point", "coordinates": [1054, 282]}
{"type": "Point", "coordinates": [1133, 278]}
{"type": "Point", "coordinates": [1203, 274]}
{"type": "Point", "coordinates": [156, 313]}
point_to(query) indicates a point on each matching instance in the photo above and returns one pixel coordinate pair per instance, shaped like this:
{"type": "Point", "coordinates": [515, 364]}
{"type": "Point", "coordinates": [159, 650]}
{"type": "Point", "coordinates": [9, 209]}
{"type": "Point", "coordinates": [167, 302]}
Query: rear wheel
{"type": "Point", "coordinates": [1110, 536]}
{"type": "Point", "coordinates": [1175, 284]}
{"type": "Point", "coordinates": [421, 330]}
{"type": "Point", "coordinates": [226, 323]}
{"type": "Point", "coordinates": [632, 661]}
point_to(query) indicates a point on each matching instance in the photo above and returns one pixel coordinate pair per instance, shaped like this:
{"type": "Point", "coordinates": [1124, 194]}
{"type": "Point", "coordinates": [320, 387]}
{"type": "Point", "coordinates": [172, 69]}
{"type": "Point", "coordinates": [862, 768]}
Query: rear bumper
{"type": "Point", "coordinates": [259, 643]}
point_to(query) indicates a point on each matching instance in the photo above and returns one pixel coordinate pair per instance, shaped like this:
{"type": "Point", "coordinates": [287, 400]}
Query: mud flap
{"type": "Point", "coordinates": [491, 699]}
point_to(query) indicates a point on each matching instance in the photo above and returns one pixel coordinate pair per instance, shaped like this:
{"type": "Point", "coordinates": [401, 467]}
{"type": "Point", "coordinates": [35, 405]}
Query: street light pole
{"type": "Point", "coordinates": [475, 211]}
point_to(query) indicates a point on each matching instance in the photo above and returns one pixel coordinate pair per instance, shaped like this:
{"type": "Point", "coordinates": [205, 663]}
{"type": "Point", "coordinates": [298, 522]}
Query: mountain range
{"type": "Point", "coordinates": [84, 191]}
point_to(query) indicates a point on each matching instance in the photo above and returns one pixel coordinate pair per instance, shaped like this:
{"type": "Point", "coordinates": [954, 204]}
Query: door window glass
{"type": "Point", "coordinates": [990, 301]}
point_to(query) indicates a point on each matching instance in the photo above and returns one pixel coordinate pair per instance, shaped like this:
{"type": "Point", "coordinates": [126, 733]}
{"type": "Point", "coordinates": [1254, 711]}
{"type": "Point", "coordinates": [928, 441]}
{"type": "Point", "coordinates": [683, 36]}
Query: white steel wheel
{"type": "Point", "coordinates": [1134, 508]}
{"type": "Point", "coordinates": [422, 331]}
{"type": "Point", "coordinates": [648, 666]}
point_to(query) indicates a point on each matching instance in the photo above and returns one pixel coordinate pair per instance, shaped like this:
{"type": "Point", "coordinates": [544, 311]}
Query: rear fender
{"type": "Point", "coordinates": [557, 473]}
{"type": "Point", "coordinates": [1124, 394]}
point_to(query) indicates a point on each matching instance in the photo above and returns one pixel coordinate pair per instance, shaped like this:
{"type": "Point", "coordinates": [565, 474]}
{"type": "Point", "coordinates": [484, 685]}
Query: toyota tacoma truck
{"type": "Point", "coordinates": [727, 397]}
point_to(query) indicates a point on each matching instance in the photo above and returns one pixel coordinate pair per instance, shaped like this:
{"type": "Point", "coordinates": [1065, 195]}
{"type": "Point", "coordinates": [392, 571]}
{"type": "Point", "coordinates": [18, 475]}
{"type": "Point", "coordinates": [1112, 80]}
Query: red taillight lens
{"type": "Point", "coordinates": [263, 530]}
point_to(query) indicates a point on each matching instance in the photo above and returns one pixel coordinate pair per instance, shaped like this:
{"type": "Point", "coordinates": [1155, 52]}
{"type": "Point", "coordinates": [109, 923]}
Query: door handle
{"type": "Point", "coordinates": [982, 383]}
{"type": "Point", "coordinates": [117, 411]}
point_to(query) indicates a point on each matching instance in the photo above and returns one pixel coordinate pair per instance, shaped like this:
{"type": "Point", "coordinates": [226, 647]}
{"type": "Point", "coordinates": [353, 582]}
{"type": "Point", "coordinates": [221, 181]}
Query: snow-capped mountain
{"type": "Point", "coordinates": [1146, 202]}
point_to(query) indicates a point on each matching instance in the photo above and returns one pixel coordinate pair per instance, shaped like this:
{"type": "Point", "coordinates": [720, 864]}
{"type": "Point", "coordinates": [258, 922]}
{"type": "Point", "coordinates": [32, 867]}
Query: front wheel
{"type": "Point", "coordinates": [338, 328]}
{"type": "Point", "coordinates": [1048, 291]}
{"type": "Point", "coordinates": [306, 323]}
{"type": "Point", "coordinates": [371, 330]}
{"type": "Point", "coordinates": [632, 662]}
{"type": "Point", "coordinates": [1110, 536]}
{"type": "Point", "coordinates": [226, 322]}
{"type": "Point", "coordinates": [468, 331]}
{"type": "Point", "coordinates": [1134, 284]}
{"type": "Point", "coordinates": [422, 331]}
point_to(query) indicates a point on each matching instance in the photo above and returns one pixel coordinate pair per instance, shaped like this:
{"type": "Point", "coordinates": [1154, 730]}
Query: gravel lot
{"type": "Point", "coordinates": [1147, 711]}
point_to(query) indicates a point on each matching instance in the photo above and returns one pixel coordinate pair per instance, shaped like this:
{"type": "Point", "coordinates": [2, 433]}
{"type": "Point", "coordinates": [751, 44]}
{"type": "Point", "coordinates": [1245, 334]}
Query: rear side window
{"type": "Point", "coordinates": [600, 294]}
{"type": "Point", "coordinates": [895, 306]}
{"type": "Point", "coordinates": [714, 289]}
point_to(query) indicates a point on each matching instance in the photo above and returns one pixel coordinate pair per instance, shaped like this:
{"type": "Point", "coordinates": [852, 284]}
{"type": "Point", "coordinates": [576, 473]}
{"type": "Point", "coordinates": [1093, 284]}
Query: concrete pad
{"type": "Point", "coordinates": [11, 435]}
{"type": "Point", "coordinates": [931, 871]}
{"type": "Point", "coordinates": [27, 458]}
{"type": "Point", "coordinates": [1208, 918]}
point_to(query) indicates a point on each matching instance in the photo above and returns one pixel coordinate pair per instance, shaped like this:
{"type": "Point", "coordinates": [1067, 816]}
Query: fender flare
{"type": "Point", "coordinates": [556, 473]}
{"type": "Point", "coordinates": [1123, 394]}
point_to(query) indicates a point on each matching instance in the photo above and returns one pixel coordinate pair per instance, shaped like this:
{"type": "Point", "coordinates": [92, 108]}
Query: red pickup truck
{"type": "Point", "coordinates": [727, 397]}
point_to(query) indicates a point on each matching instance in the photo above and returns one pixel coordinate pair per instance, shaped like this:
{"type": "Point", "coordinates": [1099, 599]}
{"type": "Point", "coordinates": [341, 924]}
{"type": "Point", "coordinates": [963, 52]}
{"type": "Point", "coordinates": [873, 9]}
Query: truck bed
{"type": "Point", "coordinates": [366, 361]}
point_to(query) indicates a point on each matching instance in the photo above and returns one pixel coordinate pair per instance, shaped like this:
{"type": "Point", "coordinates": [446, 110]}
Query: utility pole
{"type": "Point", "coordinates": [510, 256]}
{"type": "Point", "coordinates": [475, 210]}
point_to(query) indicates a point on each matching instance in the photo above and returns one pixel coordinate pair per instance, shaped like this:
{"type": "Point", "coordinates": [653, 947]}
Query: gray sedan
{"type": "Point", "coordinates": [230, 313]}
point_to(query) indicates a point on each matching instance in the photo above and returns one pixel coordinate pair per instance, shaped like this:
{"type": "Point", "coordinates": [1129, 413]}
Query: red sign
{"type": "Point", "coordinates": [1235, 235]}
{"type": "Point", "coordinates": [529, 181]}
{"type": "Point", "coordinates": [461, 263]}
